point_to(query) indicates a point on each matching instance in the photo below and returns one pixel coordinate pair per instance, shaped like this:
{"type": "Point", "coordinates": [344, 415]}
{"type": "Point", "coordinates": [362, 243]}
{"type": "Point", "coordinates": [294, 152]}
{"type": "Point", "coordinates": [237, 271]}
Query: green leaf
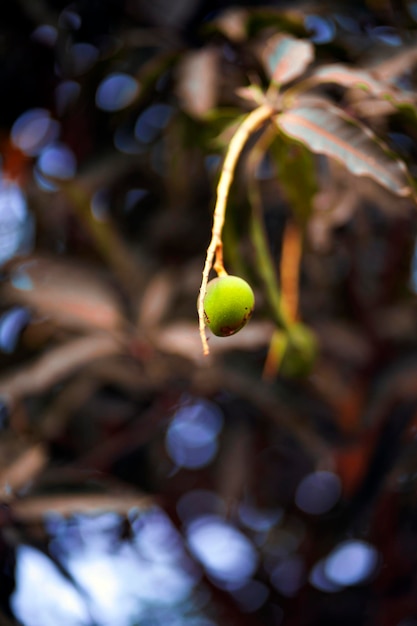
{"type": "Point", "coordinates": [252, 94]}
{"type": "Point", "coordinates": [294, 163]}
{"type": "Point", "coordinates": [287, 20]}
{"type": "Point", "coordinates": [326, 129]}
{"type": "Point", "coordinates": [286, 58]}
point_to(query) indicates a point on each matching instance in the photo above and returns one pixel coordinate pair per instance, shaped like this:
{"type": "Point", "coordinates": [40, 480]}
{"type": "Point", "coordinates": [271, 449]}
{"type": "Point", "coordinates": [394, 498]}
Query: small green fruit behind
{"type": "Point", "coordinates": [300, 353]}
{"type": "Point", "coordinates": [228, 305]}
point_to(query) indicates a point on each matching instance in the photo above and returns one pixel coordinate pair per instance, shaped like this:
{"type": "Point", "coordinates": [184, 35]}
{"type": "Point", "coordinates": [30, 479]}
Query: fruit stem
{"type": "Point", "coordinates": [249, 125]}
{"type": "Point", "coordinates": [218, 263]}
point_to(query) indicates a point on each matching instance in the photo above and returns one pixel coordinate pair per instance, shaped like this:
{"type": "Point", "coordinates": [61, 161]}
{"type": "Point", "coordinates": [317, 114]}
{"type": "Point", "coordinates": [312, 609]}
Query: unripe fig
{"type": "Point", "coordinates": [228, 305]}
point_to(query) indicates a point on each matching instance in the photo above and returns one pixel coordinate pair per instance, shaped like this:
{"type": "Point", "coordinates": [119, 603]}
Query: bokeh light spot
{"type": "Point", "coordinates": [257, 519]}
{"type": "Point", "coordinates": [388, 35]}
{"type": "Point", "coordinates": [45, 34]}
{"type": "Point", "coordinates": [62, 604]}
{"type": "Point", "coordinates": [319, 580]}
{"type": "Point", "coordinates": [83, 57]}
{"type": "Point", "coordinates": [116, 92]}
{"type": "Point", "coordinates": [318, 492]}
{"type": "Point", "coordinates": [251, 596]}
{"type": "Point", "coordinates": [288, 576]}
{"type": "Point", "coordinates": [226, 554]}
{"type": "Point", "coordinates": [12, 322]}
{"type": "Point", "coordinates": [191, 438]}
{"type": "Point", "coordinates": [66, 94]}
{"type": "Point", "coordinates": [322, 30]}
{"type": "Point", "coordinates": [146, 579]}
{"type": "Point", "coordinates": [152, 121]}
{"type": "Point", "coordinates": [351, 563]}
{"type": "Point", "coordinates": [133, 197]}
{"type": "Point", "coordinates": [199, 502]}
{"type": "Point", "coordinates": [17, 227]}
{"type": "Point", "coordinates": [34, 130]}
{"type": "Point", "coordinates": [57, 161]}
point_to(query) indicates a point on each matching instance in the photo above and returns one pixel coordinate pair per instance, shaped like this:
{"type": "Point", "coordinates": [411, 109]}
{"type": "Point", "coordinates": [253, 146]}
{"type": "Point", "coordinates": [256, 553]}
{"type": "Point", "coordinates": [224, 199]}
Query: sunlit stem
{"type": "Point", "coordinates": [249, 125]}
{"type": "Point", "coordinates": [289, 280]}
{"type": "Point", "coordinates": [277, 347]}
{"type": "Point", "coordinates": [283, 298]}
{"type": "Point", "coordinates": [218, 262]}
{"type": "Point", "coordinates": [290, 268]}
{"type": "Point", "coordinates": [265, 267]}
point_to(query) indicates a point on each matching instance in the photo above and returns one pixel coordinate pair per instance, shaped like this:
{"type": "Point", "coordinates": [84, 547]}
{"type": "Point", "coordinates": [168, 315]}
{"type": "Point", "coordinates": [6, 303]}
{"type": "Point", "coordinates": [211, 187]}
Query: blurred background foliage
{"type": "Point", "coordinates": [141, 483]}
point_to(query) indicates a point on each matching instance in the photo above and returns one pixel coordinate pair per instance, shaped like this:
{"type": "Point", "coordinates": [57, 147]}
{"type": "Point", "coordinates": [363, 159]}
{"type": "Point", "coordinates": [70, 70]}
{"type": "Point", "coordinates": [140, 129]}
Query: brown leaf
{"type": "Point", "coordinates": [198, 80]}
{"type": "Point", "coordinates": [233, 24]}
{"type": "Point", "coordinates": [396, 65]}
{"type": "Point", "coordinates": [348, 77]}
{"type": "Point", "coordinates": [33, 509]}
{"type": "Point", "coordinates": [55, 365]}
{"type": "Point", "coordinates": [156, 299]}
{"type": "Point", "coordinates": [182, 338]}
{"type": "Point", "coordinates": [367, 80]}
{"type": "Point", "coordinates": [69, 294]}
{"type": "Point", "coordinates": [21, 470]}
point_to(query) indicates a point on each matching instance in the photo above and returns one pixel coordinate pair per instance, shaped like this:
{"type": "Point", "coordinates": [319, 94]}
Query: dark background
{"type": "Point", "coordinates": [140, 483]}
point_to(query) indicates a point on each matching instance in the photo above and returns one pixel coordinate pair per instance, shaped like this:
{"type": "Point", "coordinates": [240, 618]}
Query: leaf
{"type": "Point", "coordinates": [21, 466]}
{"type": "Point", "coordinates": [232, 23]}
{"type": "Point", "coordinates": [181, 338]}
{"type": "Point", "coordinates": [349, 78]}
{"type": "Point", "coordinates": [371, 82]}
{"type": "Point", "coordinates": [33, 507]}
{"type": "Point", "coordinates": [360, 79]}
{"type": "Point", "coordinates": [198, 81]}
{"type": "Point", "coordinates": [397, 65]}
{"type": "Point", "coordinates": [252, 94]}
{"type": "Point", "coordinates": [57, 364]}
{"type": "Point", "coordinates": [292, 162]}
{"type": "Point", "coordinates": [69, 294]}
{"type": "Point", "coordinates": [325, 129]}
{"type": "Point", "coordinates": [286, 58]}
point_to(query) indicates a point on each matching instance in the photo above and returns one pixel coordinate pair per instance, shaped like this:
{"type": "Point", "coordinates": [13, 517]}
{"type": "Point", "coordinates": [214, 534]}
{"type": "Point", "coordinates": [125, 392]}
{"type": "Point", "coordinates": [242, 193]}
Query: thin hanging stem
{"type": "Point", "coordinates": [250, 124]}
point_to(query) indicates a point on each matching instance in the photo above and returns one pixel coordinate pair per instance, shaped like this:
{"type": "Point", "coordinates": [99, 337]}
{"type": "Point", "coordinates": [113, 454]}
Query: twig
{"type": "Point", "coordinates": [237, 143]}
{"type": "Point", "coordinates": [264, 261]}
{"type": "Point", "coordinates": [290, 268]}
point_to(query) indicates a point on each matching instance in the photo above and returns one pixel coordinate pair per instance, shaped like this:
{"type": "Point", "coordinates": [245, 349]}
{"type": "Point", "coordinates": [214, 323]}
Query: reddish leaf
{"type": "Point", "coordinates": [348, 77]}
{"type": "Point", "coordinates": [21, 466]}
{"type": "Point", "coordinates": [69, 294]}
{"type": "Point", "coordinates": [198, 81]}
{"type": "Point", "coordinates": [286, 58]}
{"type": "Point", "coordinates": [232, 23]}
{"type": "Point", "coordinates": [398, 64]}
{"type": "Point", "coordinates": [325, 129]}
{"type": "Point", "coordinates": [360, 79]}
{"type": "Point", "coordinates": [57, 364]}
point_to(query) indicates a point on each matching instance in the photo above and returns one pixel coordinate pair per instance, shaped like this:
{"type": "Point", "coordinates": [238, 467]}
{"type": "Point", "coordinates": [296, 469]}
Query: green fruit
{"type": "Point", "coordinates": [300, 353]}
{"type": "Point", "coordinates": [228, 305]}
